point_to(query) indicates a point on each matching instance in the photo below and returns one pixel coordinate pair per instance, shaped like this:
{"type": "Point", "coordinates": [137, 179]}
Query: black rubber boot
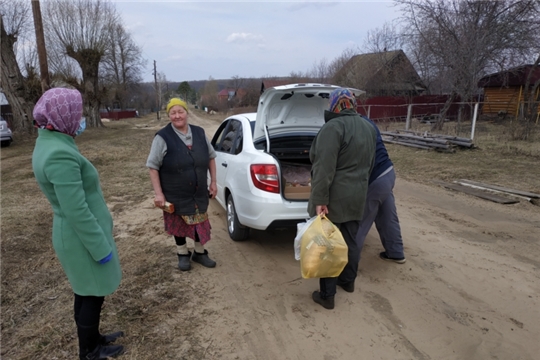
{"type": "Point", "coordinates": [89, 339]}
{"type": "Point", "coordinates": [110, 338]}
{"type": "Point", "coordinates": [203, 259]}
{"type": "Point", "coordinates": [105, 352]}
{"type": "Point", "coordinates": [184, 262]}
{"type": "Point", "coordinates": [327, 303]}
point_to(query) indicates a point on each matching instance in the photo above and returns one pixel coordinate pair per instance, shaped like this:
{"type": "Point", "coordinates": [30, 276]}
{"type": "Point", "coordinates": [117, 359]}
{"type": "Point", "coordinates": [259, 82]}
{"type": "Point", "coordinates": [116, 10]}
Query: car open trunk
{"type": "Point", "coordinates": [288, 119]}
{"type": "Point", "coordinates": [292, 153]}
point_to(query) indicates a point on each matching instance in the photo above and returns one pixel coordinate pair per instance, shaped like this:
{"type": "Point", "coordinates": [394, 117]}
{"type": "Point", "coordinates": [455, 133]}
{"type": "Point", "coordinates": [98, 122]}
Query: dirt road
{"type": "Point", "coordinates": [470, 288]}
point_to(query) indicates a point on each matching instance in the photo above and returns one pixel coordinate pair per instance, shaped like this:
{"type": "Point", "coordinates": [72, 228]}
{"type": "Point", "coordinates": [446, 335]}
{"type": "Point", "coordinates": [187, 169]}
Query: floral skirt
{"type": "Point", "coordinates": [176, 226]}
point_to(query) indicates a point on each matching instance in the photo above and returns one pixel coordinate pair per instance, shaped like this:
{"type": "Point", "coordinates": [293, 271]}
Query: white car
{"type": "Point", "coordinates": [262, 164]}
{"type": "Point", "coordinates": [6, 136]}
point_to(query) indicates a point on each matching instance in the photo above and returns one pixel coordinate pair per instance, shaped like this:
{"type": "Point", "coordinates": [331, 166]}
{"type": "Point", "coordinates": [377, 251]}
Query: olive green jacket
{"type": "Point", "coordinates": [342, 157]}
{"type": "Point", "coordinates": [82, 231]}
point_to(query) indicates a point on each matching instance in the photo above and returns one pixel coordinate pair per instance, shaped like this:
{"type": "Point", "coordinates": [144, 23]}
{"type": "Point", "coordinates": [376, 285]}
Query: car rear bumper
{"type": "Point", "coordinates": [269, 211]}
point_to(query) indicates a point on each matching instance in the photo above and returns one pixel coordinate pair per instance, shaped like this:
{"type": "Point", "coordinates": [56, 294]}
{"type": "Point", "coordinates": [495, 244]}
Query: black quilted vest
{"type": "Point", "coordinates": [183, 173]}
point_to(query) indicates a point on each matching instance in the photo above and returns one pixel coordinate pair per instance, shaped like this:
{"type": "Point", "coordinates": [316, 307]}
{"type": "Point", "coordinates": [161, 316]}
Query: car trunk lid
{"type": "Point", "coordinates": [292, 108]}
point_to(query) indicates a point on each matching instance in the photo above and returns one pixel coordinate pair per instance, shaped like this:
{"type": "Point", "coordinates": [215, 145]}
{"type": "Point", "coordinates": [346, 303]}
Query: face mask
{"type": "Point", "coordinates": [82, 127]}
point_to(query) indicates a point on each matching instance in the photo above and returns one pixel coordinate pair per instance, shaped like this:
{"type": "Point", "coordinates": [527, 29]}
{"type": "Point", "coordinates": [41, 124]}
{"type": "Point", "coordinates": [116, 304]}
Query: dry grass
{"type": "Point", "coordinates": [496, 159]}
{"type": "Point", "coordinates": [36, 300]}
{"type": "Point", "coordinates": [36, 304]}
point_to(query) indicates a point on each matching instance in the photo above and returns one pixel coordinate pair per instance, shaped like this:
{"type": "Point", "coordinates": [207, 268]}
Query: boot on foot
{"type": "Point", "coordinates": [110, 338]}
{"type": "Point", "coordinates": [327, 303]}
{"type": "Point", "coordinates": [184, 262]}
{"type": "Point", "coordinates": [104, 352]}
{"type": "Point", "coordinates": [203, 259]}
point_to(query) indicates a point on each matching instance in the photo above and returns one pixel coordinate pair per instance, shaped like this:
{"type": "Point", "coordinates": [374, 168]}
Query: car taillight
{"type": "Point", "coordinates": [265, 177]}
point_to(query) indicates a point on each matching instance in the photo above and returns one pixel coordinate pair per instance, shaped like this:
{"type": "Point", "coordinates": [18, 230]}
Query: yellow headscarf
{"type": "Point", "coordinates": [176, 101]}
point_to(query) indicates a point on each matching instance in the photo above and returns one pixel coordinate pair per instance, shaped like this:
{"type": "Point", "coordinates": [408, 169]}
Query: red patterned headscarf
{"type": "Point", "coordinates": [341, 99]}
{"type": "Point", "coordinates": [59, 109]}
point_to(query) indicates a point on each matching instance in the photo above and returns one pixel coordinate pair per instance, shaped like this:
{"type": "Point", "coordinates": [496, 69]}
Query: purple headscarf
{"type": "Point", "coordinates": [59, 109]}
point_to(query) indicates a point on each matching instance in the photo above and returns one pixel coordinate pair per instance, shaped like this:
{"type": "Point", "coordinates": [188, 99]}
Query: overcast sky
{"type": "Point", "coordinates": [196, 40]}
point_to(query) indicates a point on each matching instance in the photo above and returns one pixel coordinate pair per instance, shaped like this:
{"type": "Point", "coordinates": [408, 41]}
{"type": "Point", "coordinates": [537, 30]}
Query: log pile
{"type": "Point", "coordinates": [427, 141]}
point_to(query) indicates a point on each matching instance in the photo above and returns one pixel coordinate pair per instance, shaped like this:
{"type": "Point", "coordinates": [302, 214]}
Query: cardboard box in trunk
{"type": "Point", "coordinates": [297, 180]}
{"type": "Point", "coordinates": [297, 192]}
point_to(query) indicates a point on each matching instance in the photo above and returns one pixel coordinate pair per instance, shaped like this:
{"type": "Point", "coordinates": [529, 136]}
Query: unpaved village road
{"type": "Point", "coordinates": [470, 288]}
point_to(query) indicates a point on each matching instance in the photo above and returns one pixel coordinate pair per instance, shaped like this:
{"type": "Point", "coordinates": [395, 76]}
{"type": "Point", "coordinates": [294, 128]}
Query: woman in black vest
{"type": "Point", "coordinates": [179, 159]}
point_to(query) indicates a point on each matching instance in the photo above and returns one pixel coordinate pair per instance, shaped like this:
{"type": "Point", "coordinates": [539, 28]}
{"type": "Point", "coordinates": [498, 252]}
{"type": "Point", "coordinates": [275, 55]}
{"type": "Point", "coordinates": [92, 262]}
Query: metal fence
{"type": "Point", "coordinates": [400, 108]}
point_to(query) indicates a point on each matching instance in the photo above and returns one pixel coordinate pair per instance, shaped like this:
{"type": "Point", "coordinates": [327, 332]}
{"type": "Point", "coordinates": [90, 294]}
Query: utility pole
{"type": "Point", "coordinates": [42, 52]}
{"type": "Point", "coordinates": [158, 102]}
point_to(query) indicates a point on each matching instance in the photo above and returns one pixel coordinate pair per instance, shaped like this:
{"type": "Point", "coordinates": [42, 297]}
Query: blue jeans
{"type": "Point", "coordinates": [381, 208]}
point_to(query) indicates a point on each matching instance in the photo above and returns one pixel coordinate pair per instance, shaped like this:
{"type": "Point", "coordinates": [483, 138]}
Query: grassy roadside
{"type": "Point", "coordinates": [495, 160]}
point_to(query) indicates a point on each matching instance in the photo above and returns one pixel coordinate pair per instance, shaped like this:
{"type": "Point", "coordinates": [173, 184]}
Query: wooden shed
{"type": "Point", "coordinates": [504, 90]}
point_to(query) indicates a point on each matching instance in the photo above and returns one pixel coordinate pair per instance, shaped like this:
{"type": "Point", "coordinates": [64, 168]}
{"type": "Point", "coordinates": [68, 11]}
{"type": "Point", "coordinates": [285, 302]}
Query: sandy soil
{"type": "Point", "coordinates": [470, 288]}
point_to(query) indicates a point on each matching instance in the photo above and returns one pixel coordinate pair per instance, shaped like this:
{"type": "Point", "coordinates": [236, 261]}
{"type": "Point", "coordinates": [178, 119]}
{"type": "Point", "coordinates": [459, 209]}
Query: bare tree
{"type": "Point", "coordinates": [320, 71]}
{"type": "Point", "coordinates": [15, 24]}
{"type": "Point", "coordinates": [464, 38]}
{"type": "Point", "coordinates": [383, 39]}
{"type": "Point", "coordinates": [338, 63]}
{"type": "Point", "coordinates": [209, 94]}
{"type": "Point", "coordinates": [40, 42]}
{"type": "Point", "coordinates": [531, 105]}
{"type": "Point", "coordinates": [236, 85]}
{"type": "Point", "coordinates": [252, 87]}
{"type": "Point", "coordinates": [80, 29]}
{"type": "Point", "coordinates": [121, 66]}
{"type": "Point", "coordinates": [429, 67]}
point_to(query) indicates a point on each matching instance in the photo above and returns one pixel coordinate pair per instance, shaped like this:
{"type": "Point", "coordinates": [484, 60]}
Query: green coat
{"type": "Point", "coordinates": [82, 224]}
{"type": "Point", "coordinates": [342, 157]}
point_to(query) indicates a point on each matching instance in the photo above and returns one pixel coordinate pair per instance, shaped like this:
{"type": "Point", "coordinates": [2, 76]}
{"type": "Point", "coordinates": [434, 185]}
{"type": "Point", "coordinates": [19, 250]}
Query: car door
{"type": "Point", "coordinates": [227, 142]}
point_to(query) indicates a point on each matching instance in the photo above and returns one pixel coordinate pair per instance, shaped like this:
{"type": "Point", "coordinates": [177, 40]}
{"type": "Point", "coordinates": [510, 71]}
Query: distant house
{"type": "Point", "coordinates": [503, 91]}
{"type": "Point", "coordinates": [387, 73]}
{"type": "Point", "coordinates": [229, 94]}
{"type": "Point", "coordinates": [226, 94]}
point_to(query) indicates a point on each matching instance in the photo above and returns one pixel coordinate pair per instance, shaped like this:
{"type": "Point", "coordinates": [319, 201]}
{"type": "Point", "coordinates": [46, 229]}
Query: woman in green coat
{"type": "Point", "coordinates": [82, 224]}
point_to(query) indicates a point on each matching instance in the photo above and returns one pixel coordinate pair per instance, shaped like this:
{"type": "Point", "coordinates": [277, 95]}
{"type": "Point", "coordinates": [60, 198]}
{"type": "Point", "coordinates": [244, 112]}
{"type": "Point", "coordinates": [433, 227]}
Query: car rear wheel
{"type": "Point", "coordinates": [237, 231]}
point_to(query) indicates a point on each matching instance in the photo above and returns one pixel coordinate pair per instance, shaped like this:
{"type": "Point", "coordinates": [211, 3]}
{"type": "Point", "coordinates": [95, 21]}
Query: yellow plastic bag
{"type": "Point", "coordinates": [323, 251]}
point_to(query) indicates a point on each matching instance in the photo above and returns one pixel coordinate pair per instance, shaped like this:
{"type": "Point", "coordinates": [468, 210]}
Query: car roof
{"type": "Point", "coordinates": [248, 116]}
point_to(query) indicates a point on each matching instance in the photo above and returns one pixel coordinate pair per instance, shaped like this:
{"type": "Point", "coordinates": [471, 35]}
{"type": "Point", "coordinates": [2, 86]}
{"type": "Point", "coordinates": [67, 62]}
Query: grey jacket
{"type": "Point", "coordinates": [342, 157]}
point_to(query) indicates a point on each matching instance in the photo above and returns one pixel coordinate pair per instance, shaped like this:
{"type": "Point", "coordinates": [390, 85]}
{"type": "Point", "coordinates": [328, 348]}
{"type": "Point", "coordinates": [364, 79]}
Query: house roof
{"type": "Point", "coordinates": [367, 69]}
{"type": "Point", "coordinates": [369, 64]}
{"type": "Point", "coordinates": [512, 77]}
{"type": "Point", "coordinates": [225, 92]}
{"type": "Point", "coordinates": [230, 91]}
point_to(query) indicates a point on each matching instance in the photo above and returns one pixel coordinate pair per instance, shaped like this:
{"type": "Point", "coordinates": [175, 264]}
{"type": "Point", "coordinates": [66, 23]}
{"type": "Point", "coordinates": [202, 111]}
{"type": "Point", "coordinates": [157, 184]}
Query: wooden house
{"type": "Point", "coordinates": [504, 90]}
{"type": "Point", "coordinates": [387, 73]}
